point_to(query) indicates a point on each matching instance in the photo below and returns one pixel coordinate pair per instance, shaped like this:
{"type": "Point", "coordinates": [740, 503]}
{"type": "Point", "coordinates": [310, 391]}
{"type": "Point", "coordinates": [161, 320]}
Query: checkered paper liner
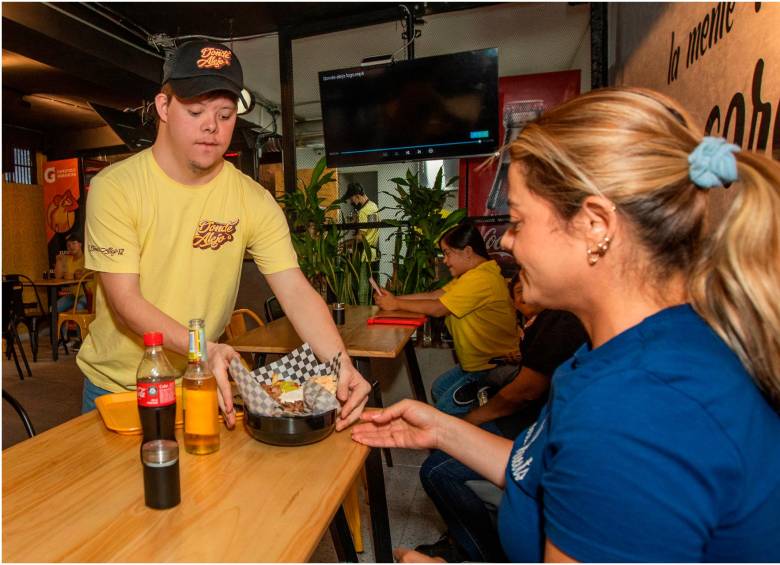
{"type": "Point", "coordinates": [298, 366]}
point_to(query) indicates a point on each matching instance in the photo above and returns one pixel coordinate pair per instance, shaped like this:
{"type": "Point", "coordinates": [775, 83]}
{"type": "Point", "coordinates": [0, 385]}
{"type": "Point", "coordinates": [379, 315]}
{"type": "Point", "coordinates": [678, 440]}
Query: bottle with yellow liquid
{"type": "Point", "coordinates": [201, 427]}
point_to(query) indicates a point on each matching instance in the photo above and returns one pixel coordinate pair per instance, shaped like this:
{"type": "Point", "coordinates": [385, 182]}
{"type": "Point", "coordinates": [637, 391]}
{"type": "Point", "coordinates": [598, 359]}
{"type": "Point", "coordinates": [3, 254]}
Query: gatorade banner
{"type": "Point", "coordinates": [61, 202]}
{"type": "Point", "coordinates": [60, 195]}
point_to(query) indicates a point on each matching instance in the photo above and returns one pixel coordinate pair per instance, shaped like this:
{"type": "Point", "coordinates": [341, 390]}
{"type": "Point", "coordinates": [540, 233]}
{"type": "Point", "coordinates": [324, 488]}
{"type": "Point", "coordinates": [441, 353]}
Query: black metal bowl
{"type": "Point", "coordinates": [290, 430]}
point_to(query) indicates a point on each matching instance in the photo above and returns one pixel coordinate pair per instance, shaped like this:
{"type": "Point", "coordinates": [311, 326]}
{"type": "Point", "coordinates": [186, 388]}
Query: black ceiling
{"type": "Point", "coordinates": [82, 52]}
{"type": "Point", "coordinates": [235, 19]}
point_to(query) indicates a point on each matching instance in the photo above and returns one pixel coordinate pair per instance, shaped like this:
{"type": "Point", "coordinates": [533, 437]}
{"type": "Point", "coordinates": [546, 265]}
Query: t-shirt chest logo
{"type": "Point", "coordinates": [213, 235]}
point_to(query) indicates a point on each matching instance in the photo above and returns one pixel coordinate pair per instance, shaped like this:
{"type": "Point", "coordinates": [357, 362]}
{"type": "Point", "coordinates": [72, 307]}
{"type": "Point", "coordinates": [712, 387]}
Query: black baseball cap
{"type": "Point", "coordinates": [200, 67]}
{"type": "Point", "coordinates": [353, 189]}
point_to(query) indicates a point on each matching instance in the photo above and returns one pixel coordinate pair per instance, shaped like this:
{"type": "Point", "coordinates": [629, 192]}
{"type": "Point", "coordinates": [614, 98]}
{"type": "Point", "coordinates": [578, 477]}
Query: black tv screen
{"type": "Point", "coordinates": [429, 108]}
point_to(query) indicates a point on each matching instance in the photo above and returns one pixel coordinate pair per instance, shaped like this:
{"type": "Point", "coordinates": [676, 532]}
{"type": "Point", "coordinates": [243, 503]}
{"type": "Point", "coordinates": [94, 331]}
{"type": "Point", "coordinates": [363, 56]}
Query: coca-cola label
{"type": "Point", "coordinates": [155, 394]}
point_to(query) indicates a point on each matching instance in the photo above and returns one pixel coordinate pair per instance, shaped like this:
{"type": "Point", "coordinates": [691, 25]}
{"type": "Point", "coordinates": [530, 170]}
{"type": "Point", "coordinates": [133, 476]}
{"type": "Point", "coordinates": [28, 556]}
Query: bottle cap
{"type": "Point", "coordinates": [153, 338]}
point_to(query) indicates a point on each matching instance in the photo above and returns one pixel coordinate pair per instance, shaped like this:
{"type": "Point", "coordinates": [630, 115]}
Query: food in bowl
{"type": "Point", "coordinates": [288, 394]}
{"type": "Point", "coordinates": [328, 382]}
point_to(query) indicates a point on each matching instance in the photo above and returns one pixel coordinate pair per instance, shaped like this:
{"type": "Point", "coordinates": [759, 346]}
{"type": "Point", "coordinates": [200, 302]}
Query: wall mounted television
{"type": "Point", "coordinates": [429, 108]}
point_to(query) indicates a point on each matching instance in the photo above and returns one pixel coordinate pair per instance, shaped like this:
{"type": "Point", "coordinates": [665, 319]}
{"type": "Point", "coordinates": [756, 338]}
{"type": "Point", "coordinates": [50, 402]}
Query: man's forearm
{"type": "Point", "coordinates": [309, 314]}
{"type": "Point", "coordinates": [496, 407]}
{"type": "Point", "coordinates": [141, 316]}
{"type": "Point", "coordinates": [529, 385]}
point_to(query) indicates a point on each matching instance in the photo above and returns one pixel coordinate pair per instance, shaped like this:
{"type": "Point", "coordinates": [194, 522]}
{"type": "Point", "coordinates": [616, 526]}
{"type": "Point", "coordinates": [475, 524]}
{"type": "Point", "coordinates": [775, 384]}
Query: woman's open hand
{"type": "Point", "coordinates": [408, 424]}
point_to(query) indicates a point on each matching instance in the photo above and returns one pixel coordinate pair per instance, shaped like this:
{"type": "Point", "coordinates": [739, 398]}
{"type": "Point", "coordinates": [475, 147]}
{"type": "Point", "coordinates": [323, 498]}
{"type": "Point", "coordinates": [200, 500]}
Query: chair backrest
{"type": "Point", "coordinates": [273, 310]}
{"type": "Point", "coordinates": [31, 286]}
{"type": "Point", "coordinates": [237, 325]}
{"type": "Point", "coordinates": [81, 288]}
{"type": "Point", "coordinates": [28, 427]}
{"type": "Point", "coordinates": [13, 303]}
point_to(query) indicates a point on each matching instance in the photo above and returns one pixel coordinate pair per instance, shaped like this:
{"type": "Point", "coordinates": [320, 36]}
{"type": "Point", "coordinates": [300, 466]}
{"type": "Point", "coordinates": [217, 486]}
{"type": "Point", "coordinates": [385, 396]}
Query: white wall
{"type": "Point", "coordinates": [531, 38]}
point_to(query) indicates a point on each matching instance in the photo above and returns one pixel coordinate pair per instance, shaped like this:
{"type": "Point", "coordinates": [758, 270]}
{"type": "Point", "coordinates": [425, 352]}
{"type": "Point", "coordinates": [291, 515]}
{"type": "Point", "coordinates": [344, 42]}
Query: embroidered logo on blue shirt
{"type": "Point", "coordinates": [521, 465]}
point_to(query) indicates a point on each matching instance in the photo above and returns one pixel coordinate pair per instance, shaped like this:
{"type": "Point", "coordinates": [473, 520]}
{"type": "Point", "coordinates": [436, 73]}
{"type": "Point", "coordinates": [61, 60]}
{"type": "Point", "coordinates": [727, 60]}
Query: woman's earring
{"type": "Point", "coordinates": [601, 249]}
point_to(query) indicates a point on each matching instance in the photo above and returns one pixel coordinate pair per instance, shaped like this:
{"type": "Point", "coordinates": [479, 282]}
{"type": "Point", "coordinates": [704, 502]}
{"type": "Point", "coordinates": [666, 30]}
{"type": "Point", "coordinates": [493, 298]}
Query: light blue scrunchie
{"type": "Point", "coordinates": [712, 163]}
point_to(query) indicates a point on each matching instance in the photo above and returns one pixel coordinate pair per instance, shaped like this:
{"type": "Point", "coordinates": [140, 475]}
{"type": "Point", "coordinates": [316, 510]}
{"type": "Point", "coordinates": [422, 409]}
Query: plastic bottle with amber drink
{"type": "Point", "coordinates": [201, 427]}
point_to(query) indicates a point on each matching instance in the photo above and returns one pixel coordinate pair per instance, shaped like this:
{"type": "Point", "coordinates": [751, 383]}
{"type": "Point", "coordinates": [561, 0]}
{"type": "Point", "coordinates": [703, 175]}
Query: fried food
{"type": "Point", "coordinates": [328, 382]}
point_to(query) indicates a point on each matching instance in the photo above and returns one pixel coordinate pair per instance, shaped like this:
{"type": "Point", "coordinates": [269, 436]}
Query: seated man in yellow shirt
{"type": "Point", "coordinates": [478, 312]}
{"type": "Point", "coordinates": [70, 266]}
{"type": "Point", "coordinates": [167, 230]}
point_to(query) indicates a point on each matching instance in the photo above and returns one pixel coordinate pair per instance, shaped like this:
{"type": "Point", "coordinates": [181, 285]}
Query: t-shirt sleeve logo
{"type": "Point", "coordinates": [213, 235]}
{"type": "Point", "coordinates": [214, 58]}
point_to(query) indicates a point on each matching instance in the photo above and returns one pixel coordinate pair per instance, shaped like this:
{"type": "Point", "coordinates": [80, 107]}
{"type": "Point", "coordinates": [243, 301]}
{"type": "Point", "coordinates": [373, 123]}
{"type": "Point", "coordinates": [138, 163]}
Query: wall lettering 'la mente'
{"type": "Point", "coordinates": [747, 116]}
{"type": "Point", "coordinates": [710, 29]}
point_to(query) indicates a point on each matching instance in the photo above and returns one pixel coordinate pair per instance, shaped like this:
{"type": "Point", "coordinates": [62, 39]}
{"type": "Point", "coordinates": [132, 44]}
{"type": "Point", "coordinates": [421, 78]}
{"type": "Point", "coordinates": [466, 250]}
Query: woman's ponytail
{"type": "Point", "coordinates": [736, 283]}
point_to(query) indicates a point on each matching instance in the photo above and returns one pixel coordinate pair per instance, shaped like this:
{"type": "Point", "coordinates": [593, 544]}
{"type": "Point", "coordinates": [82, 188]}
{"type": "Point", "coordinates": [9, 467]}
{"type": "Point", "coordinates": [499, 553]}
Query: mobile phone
{"type": "Point", "coordinates": [375, 286]}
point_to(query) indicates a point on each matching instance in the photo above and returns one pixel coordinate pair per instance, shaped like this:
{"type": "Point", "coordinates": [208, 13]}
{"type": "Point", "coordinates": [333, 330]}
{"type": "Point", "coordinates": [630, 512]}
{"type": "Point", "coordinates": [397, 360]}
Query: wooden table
{"type": "Point", "coordinates": [52, 287]}
{"type": "Point", "coordinates": [75, 493]}
{"type": "Point", "coordinates": [363, 342]}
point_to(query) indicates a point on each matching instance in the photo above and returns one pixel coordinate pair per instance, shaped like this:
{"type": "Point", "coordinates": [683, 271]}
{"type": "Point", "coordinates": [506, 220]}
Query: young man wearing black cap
{"type": "Point", "coordinates": [167, 230]}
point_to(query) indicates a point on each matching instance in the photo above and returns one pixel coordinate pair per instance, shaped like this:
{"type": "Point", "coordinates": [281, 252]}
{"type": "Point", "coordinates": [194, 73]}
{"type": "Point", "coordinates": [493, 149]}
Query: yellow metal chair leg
{"type": "Point", "coordinates": [352, 512]}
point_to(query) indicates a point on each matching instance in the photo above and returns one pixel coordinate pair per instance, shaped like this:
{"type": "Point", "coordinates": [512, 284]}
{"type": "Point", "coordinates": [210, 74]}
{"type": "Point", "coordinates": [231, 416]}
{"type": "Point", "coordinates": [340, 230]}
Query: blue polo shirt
{"type": "Point", "coordinates": [656, 446]}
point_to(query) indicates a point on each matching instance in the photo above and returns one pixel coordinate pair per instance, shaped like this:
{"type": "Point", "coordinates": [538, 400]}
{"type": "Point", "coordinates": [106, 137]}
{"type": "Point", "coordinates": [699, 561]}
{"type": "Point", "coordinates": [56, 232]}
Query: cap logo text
{"type": "Point", "coordinates": [214, 58]}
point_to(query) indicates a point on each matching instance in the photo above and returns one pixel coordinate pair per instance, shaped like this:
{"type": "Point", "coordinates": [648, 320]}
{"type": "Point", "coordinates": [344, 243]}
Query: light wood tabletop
{"type": "Point", "coordinates": [363, 342]}
{"type": "Point", "coordinates": [75, 493]}
{"type": "Point", "coordinates": [360, 338]}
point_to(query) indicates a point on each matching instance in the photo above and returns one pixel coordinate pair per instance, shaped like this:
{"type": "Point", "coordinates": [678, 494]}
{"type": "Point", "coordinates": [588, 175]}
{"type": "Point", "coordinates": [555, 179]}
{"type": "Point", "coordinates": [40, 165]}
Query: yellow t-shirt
{"type": "Point", "coordinates": [483, 322]}
{"type": "Point", "coordinates": [71, 265]}
{"type": "Point", "coordinates": [371, 235]}
{"type": "Point", "coordinates": [187, 244]}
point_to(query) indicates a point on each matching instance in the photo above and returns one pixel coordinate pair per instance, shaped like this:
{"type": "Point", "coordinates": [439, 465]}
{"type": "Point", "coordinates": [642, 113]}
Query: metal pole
{"type": "Point", "coordinates": [288, 109]}
{"type": "Point", "coordinates": [599, 37]}
{"type": "Point", "coordinates": [409, 17]}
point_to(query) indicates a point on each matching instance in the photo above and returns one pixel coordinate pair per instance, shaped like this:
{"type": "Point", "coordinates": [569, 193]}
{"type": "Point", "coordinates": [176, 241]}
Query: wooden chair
{"type": "Point", "coordinates": [82, 318]}
{"type": "Point", "coordinates": [237, 324]}
{"type": "Point", "coordinates": [237, 327]}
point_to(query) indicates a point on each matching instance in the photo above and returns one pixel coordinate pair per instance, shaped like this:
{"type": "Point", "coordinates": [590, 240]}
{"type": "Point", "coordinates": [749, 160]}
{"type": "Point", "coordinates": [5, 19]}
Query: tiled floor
{"type": "Point", "coordinates": [53, 395]}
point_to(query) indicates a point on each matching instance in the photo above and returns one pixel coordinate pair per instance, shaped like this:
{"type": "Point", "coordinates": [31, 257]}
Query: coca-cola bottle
{"type": "Point", "coordinates": [156, 391]}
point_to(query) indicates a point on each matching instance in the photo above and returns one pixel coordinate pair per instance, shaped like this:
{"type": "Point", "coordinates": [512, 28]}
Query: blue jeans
{"type": "Point", "coordinates": [468, 519]}
{"type": "Point", "coordinates": [66, 302]}
{"type": "Point", "coordinates": [89, 394]}
{"type": "Point", "coordinates": [445, 386]}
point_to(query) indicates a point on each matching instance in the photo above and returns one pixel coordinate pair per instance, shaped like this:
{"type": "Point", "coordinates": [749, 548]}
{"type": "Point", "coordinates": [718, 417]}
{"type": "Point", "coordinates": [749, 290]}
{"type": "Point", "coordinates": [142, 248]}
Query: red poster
{"type": "Point", "coordinates": [60, 195]}
{"type": "Point", "coordinates": [483, 192]}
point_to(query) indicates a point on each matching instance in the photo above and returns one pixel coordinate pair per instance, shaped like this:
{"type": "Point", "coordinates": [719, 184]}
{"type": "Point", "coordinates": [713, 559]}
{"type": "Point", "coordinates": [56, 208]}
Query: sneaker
{"type": "Point", "coordinates": [469, 393]}
{"type": "Point", "coordinates": [446, 548]}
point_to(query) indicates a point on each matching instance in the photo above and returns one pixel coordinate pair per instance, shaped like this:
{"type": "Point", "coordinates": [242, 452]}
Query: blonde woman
{"type": "Point", "coordinates": [661, 441]}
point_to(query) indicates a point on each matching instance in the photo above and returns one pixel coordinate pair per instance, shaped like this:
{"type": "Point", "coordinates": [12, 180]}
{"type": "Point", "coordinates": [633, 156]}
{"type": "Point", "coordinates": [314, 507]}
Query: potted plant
{"type": "Point", "coordinates": [337, 270]}
{"type": "Point", "coordinates": [421, 221]}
